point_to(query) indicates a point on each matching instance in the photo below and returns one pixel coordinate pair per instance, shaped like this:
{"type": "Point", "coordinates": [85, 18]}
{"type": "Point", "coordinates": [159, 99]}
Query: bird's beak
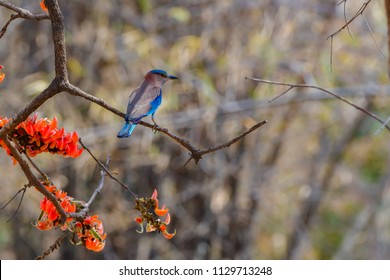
{"type": "Point", "coordinates": [172, 77]}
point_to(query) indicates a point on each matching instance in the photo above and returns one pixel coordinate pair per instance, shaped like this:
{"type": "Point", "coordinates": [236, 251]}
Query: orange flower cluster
{"type": "Point", "coordinates": [36, 136]}
{"type": "Point", "coordinates": [50, 217]}
{"type": "Point", "coordinates": [153, 222]}
{"type": "Point", "coordinates": [91, 233]}
{"type": "Point", "coordinates": [43, 6]}
{"type": "Point", "coordinates": [2, 75]}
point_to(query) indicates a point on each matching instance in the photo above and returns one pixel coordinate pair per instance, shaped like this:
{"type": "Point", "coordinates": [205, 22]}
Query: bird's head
{"type": "Point", "coordinates": [158, 76]}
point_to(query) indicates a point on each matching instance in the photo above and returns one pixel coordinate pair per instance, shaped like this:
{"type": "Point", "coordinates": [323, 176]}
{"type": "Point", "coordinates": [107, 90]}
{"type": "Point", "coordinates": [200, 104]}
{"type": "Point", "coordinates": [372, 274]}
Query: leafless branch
{"type": "Point", "coordinates": [20, 203]}
{"type": "Point", "coordinates": [365, 111]}
{"type": "Point", "coordinates": [101, 183]}
{"type": "Point", "coordinates": [358, 13]}
{"type": "Point", "coordinates": [346, 25]}
{"type": "Point", "coordinates": [108, 172]}
{"type": "Point", "coordinates": [20, 13]}
{"type": "Point", "coordinates": [15, 195]}
{"type": "Point", "coordinates": [23, 13]}
{"type": "Point", "coordinates": [5, 26]}
{"type": "Point", "coordinates": [345, 14]}
{"type": "Point", "coordinates": [373, 37]}
{"type": "Point", "coordinates": [197, 154]}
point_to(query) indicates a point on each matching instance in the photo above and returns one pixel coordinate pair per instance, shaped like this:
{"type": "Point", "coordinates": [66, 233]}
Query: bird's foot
{"type": "Point", "coordinates": [154, 128]}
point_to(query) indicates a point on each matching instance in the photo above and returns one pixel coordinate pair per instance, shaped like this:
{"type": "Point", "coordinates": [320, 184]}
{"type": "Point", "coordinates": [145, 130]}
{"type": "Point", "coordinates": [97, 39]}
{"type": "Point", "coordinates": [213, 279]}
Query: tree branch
{"type": "Point", "coordinates": [365, 111]}
{"type": "Point", "coordinates": [58, 28]}
{"type": "Point", "coordinates": [5, 26]}
{"type": "Point", "coordinates": [23, 13]}
{"type": "Point", "coordinates": [101, 183]}
{"type": "Point", "coordinates": [34, 181]}
{"type": "Point", "coordinates": [358, 13]}
{"type": "Point", "coordinates": [108, 172]}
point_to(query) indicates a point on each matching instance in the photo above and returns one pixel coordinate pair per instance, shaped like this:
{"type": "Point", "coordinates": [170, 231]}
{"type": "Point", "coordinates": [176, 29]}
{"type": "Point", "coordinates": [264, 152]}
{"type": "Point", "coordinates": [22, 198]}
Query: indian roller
{"type": "Point", "coordinates": [144, 100]}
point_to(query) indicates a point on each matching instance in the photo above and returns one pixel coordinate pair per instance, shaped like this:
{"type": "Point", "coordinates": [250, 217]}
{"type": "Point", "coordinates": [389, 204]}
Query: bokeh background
{"type": "Point", "coordinates": [311, 184]}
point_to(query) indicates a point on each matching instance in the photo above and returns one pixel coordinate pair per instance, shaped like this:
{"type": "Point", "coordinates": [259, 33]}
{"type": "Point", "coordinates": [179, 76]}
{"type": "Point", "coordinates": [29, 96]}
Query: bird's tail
{"type": "Point", "coordinates": [126, 130]}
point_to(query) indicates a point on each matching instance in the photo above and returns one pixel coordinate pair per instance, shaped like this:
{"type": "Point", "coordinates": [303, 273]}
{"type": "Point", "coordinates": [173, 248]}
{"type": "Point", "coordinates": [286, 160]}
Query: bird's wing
{"type": "Point", "coordinates": [140, 103]}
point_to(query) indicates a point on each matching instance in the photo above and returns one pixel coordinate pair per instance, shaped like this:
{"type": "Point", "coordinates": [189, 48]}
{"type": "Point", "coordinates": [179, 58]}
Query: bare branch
{"type": "Point", "coordinates": [101, 183]}
{"type": "Point", "coordinates": [23, 13]}
{"type": "Point", "coordinates": [346, 25]}
{"type": "Point", "coordinates": [12, 198]}
{"type": "Point", "coordinates": [345, 14]}
{"type": "Point", "coordinates": [58, 33]}
{"type": "Point", "coordinates": [358, 13]}
{"type": "Point", "coordinates": [280, 95]}
{"type": "Point", "coordinates": [197, 155]}
{"type": "Point", "coordinates": [108, 172]}
{"type": "Point", "coordinates": [365, 111]}
{"type": "Point", "coordinates": [20, 203]}
{"type": "Point", "coordinates": [373, 37]}
{"type": "Point", "coordinates": [5, 26]}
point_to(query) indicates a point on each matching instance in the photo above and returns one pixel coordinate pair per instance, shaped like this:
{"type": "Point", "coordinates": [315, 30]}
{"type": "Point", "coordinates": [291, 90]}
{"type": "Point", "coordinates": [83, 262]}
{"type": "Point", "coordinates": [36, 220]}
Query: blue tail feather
{"type": "Point", "coordinates": [126, 130]}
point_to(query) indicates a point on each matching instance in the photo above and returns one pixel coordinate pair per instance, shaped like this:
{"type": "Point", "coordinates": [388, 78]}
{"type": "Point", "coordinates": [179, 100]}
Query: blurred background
{"type": "Point", "coordinates": [311, 184]}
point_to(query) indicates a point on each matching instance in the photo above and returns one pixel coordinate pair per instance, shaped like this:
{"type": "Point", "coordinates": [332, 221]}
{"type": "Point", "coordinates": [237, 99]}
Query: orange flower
{"type": "Point", "coordinates": [50, 217]}
{"type": "Point", "coordinates": [153, 223]}
{"type": "Point", "coordinates": [2, 75]}
{"type": "Point", "coordinates": [159, 212]}
{"type": "Point", "coordinates": [43, 6]}
{"type": "Point", "coordinates": [91, 233]}
{"type": "Point", "coordinates": [42, 135]}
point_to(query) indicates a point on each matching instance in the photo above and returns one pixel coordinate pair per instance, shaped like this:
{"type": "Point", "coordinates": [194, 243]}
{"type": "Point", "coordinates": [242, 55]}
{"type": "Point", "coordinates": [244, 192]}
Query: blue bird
{"type": "Point", "coordinates": [144, 100]}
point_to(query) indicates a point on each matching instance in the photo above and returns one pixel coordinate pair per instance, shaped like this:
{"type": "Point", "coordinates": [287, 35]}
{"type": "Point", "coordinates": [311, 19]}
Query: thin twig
{"type": "Point", "coordinates": [280, 95]}
{"type": "Point", "coordinates": [20, 203]}
{"type": "Point", "coordinates": [345, 15]}
{"type": "Point", "coordinates": [101, 183]}
{"type": "Point", "coordinates": [5, 26]}
{"type": "Point", "coordinates": [346, 25]}
{"type": "Point", "coordinates": [365, 111]}
{"type": "Point", "coordinates": [198, 154]}
{"type": "Point", "coordinates": [23, 13]}
{"type": "Point", "coordinates": [108, 172]}
{"type": "Point", "coordinates": [43, 174]}
{"type": "Point", "coordinates": [358, 13]}
{"type": "Point", "coordinates": [373, 37]}
{"type": "Point", "coordinates": [12, 198]}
